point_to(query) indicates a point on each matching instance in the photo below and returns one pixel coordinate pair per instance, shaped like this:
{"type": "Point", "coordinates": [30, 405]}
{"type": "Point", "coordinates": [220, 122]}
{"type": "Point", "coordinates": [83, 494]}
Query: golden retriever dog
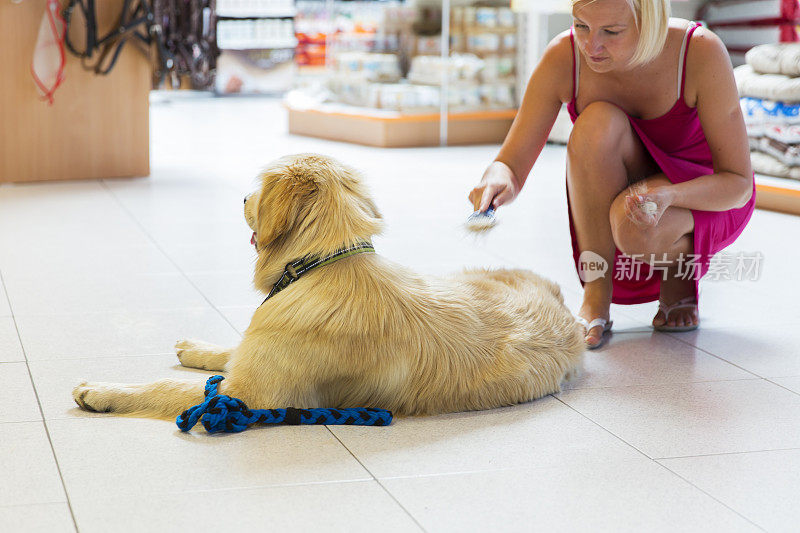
{"type": "Point", "coordinates": [363, 331]}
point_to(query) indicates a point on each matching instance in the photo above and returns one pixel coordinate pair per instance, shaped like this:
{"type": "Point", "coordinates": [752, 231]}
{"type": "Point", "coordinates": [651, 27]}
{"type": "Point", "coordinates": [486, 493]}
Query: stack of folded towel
{"type": "Point", "coordinates": [743, 24]}
{"type": "Point", "coordinates": [769, 90]}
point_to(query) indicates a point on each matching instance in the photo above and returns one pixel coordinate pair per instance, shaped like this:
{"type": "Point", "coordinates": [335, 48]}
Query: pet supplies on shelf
{"type": "Point", "coordinates": [769, 89]}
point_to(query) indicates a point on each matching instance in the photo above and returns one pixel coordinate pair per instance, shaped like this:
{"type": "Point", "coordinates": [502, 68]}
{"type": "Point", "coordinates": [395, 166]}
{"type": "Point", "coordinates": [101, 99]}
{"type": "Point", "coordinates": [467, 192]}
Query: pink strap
{"type": "Point", "coordinates": [686, 55]}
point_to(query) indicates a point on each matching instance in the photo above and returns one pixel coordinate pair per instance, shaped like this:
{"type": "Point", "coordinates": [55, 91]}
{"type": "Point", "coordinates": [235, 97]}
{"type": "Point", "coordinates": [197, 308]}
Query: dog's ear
{"type": "Point", "coordinates": [280, 207]}
{"type": "Point", "coordinates": [372, 208]}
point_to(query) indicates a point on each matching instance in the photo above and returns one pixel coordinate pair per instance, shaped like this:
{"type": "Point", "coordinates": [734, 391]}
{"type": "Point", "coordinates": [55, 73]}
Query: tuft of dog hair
{"type": "Point", "coordinates": [364, 331]}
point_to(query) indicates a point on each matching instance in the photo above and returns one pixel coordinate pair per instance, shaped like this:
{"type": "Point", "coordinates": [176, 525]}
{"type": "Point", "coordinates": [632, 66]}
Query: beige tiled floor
{"type": "Point", "coordinates": [679, 432]}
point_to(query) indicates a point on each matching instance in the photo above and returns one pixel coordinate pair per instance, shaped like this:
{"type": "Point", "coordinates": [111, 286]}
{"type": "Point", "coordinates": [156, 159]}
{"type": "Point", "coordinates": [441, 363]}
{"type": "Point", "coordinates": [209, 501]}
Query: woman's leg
{"type": "Point", "coordinates": [662, 246]}
{"type": "Point", "coordinates": [604, 155]}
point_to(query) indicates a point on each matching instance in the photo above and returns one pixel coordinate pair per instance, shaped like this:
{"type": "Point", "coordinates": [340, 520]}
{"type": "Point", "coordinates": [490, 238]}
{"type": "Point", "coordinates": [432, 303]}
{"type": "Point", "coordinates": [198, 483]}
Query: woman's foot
{"type": "Point", "coordinates": [596, 304]}
{"type": "Point", "coordinates": [673, 290]}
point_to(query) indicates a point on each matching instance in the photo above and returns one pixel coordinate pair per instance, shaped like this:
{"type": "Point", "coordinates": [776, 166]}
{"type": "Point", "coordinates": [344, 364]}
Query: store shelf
{"type": "Point", "coordinates": [778, 194]}
{"type": "Point", "coordinates": [260, 46]}
{"type": "Point", "coordinates": [255, 37]}
{"type": "Point", "coordinates": [266, 14]}
{"type": "Point", "coordinates": [392, 129]}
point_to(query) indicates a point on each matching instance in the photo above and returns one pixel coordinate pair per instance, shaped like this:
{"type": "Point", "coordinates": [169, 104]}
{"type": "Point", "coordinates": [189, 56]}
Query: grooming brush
{"type": "Point", "coordinates": [481, 220]}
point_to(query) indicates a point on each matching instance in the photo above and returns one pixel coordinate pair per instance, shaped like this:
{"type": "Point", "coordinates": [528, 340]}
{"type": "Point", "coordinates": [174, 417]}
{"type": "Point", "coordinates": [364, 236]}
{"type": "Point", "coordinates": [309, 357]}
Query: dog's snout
{"type": "Point", "coordinates": [246, 197]}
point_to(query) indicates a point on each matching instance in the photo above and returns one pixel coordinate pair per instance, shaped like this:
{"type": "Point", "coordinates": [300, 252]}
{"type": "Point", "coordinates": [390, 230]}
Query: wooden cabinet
{"type": "Point", "coordinates": [98, 125]}
{"type": "Point", "coordinates": [778, 194]}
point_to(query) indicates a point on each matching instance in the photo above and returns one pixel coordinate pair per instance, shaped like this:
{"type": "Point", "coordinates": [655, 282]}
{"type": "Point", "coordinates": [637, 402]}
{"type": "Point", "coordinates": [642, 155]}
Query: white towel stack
{"type": "Point", "coordinates": [769, 90]}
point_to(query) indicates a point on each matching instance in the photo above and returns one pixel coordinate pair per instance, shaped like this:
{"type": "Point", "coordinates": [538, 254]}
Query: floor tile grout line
{"type": "Point", "coordinates": [662, 384]}
{"type": "Point", "coordinates": [721, 358]}
{"type": "Point", "coordinates": [212, 490]}
{"type": "Point", "coordinates": [725, 453]}
{"type": "Point", "coordinates": [602, 427]}
{"type": "Point", "coordinates": [17, 505]}
{"type": "Point", "coordinates": [93, 357]}
{"type": "Point", "coordinates": [653, 460]}
{"type": "Point", "coordinates": [782, 386]}
{"type": "Point", "coordinates": [105, 312]}
{"type": "Point", "coordinates": [367, 470]}
{"type": "Point", "coordinates": [169, 257]}
{"type": "Point", "coordinates": [665, 467]}
{"type": "Point", "coordinates": [41, 409]}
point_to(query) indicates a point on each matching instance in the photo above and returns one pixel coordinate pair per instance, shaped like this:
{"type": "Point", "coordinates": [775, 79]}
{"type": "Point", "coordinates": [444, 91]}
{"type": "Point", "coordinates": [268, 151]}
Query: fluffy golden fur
{"type": "Point", "coordinates": [363, 331]}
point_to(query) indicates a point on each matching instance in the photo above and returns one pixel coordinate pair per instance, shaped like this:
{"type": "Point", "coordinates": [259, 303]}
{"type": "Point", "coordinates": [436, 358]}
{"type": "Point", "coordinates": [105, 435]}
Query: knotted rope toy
{"type": "Point", "coordinates": [220, 413]}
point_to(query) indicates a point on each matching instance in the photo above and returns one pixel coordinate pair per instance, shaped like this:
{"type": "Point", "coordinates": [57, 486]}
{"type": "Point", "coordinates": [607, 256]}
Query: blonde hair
{"type": "Point", "coordinates": [652, 20]}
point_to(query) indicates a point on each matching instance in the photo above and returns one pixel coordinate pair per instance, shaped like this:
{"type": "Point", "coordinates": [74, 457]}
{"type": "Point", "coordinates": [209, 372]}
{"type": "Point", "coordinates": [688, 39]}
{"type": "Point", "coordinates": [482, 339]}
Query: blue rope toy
{"type": "Point", "coordinates": [220, 413]}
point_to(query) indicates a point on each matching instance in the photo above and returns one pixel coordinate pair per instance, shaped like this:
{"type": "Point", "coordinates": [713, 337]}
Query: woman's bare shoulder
{"type": "Point", "coordinates": [707, 46]}
{"type": "Point", "coordinates": [708, 40]}
{"type": "Point", "coordinates": [708, 64]}
{"type": "Point", "coordinates": [560, 47]}
{"type": "Point", "coordinates": [556, 65]}
{"type": "Point", "coordinates": [707, 53]}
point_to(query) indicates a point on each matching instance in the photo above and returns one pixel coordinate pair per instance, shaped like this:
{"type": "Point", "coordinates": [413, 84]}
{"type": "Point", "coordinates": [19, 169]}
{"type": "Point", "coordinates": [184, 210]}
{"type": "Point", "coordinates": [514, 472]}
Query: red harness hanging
{"type": "Point", "coordinates": [47, 66]}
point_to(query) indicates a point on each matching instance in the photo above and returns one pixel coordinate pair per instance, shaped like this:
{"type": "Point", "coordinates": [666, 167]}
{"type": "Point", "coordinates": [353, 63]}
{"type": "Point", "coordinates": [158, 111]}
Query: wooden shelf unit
{"type": "Point", "coordinates": [98, 126]}
{"type": "Point", "coordinates": [778, 194]}
{"type": "Point", "coordinates": [394, 130]}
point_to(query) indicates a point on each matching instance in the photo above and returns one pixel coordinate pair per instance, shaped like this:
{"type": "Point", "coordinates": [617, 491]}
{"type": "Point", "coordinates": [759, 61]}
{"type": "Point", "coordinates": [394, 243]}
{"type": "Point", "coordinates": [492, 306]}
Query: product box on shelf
{"type": "Point", "coordinates": [376, 67]}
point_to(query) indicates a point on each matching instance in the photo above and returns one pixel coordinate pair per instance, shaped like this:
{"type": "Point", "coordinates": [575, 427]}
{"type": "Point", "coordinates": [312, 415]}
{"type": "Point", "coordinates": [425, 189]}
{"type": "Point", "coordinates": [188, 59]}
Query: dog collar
{"type": "Point", "coordinates": [297, 268]}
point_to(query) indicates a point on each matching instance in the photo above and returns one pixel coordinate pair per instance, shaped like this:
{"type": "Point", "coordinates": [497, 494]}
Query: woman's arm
{"type": "Point", "coordinates": [731, 184]}
{"type": "Point", "coordinates": [549, 86]}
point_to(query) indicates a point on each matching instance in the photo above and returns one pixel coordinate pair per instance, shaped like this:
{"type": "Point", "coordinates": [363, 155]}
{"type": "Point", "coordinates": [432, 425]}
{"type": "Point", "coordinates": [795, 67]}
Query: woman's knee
{"type": "Point", "coordinates": [598, 130]}
{"type": "Point", "coordinates": [630, 238]}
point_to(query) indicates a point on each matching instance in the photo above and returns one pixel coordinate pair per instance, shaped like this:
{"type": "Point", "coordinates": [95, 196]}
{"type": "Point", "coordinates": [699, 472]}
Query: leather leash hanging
{"type": "Point", "coordinates": [135, 23]}
{"type": "Point", "coordinates": [181, 34]}
{"type": "Point", "coordinates": [188, 29]}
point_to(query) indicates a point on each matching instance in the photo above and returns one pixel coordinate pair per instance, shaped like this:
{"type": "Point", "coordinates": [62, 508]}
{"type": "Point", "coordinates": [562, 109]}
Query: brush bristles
{"type": "Point", "coordinates": [480, 221]}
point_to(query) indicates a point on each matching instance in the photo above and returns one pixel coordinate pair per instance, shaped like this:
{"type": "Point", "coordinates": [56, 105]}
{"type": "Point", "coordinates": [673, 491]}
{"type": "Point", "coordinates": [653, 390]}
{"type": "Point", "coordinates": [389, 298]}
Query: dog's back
{"type": "Point", "coordinates": [377, 334]}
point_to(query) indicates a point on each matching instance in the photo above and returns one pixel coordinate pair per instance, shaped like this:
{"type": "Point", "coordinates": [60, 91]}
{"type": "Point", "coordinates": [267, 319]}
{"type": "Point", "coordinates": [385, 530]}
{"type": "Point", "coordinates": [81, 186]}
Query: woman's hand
{"type": "Point", "coordinates": [644, 206]}
{"type": "Point", "coordinates": [497, 187]}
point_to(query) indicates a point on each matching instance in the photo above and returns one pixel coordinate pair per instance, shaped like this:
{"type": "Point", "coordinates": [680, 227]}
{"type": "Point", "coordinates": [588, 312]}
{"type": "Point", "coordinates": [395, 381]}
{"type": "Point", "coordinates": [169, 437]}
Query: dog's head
{"type": "Point", "coordinates": [310, 204]}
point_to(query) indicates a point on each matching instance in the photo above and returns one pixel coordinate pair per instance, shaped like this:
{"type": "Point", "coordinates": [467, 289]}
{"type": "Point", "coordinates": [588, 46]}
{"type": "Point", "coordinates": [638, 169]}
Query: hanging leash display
{"type": "Point", "coordinates": [188, 32]}
{"type": "Point", "coordinates": [135, 23]}
{"type": "Point", "coordinates": [178, 36]}
{"type": "Point", "coordinates": [222, 414]}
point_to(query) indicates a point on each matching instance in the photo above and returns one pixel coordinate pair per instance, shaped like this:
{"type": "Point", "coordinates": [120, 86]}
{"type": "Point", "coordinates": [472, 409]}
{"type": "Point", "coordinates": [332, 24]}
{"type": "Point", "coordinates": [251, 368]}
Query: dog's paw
{"type": "Point", "coordinates": [196, 354]}
{"type": "Point", "coordinates": [93, 397]}
{"type": "Point", "coordinates": [183, 346]}
{"type": "Point", "coordinates": [186, 350]}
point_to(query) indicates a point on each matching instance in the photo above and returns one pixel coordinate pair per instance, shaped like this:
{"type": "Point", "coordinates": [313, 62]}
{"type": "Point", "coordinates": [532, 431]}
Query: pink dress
{"type": "Point", "coordinates": [678, 145]}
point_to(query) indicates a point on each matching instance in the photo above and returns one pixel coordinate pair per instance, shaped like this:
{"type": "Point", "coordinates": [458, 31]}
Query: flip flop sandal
{"type": "Point", "coordinates": [689, 301]}
{"type": "Point", "coordinates": [606, 325]}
